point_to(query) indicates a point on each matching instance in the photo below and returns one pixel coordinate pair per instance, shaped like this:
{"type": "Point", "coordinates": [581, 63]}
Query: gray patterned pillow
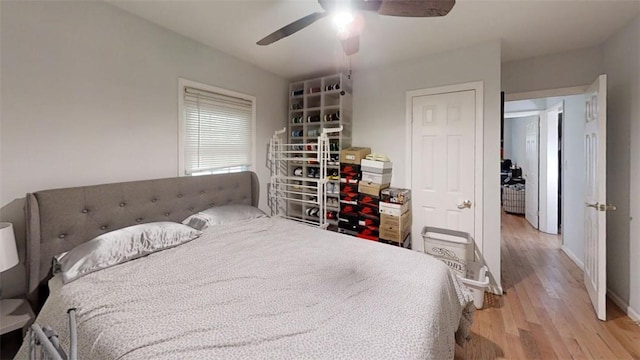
{"type": "Point", "coordinates": [120, 246]}
{"type": "Point", "coordinates": [223, 214]}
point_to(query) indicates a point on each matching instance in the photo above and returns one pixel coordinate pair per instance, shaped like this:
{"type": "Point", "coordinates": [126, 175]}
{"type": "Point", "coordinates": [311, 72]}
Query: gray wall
{"type": "Point", "coordinates": [89, 95]}
{"type": "Point", "coordinates": [622, 66]}
{"type": "Point", "coordinates": [571, 68]}
{"type": "Point", "coordinates": [379, 103]}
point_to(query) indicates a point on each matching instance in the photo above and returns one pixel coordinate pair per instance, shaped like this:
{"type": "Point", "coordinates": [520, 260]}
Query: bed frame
{"type": "Point", "coordinates": [58, 220]}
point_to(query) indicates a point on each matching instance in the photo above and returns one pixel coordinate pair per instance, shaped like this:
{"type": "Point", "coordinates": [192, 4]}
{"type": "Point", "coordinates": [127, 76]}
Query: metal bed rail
{"type": "Point", "coordinates": [45, 345]}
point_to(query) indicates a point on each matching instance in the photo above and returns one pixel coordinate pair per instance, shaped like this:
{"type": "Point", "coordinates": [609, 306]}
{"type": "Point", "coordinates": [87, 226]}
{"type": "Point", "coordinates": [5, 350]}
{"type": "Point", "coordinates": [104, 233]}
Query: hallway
{"type": "Point", "coordinates": [546, 312]}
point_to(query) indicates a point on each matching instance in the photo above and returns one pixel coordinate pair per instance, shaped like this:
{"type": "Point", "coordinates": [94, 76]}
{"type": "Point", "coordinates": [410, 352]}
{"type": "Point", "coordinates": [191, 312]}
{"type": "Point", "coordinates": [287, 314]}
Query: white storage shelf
{"type": "Point", "coordinates": [318, 98]}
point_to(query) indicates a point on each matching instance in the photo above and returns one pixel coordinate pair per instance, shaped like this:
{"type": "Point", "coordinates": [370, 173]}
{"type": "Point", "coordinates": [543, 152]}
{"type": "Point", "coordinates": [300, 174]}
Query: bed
{"type": "Point", "coordinates": [254, 288]}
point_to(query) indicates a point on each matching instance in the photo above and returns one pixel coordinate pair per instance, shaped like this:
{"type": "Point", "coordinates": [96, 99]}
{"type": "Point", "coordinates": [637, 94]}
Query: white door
{"type": "Point", "coordinates": [444, 162]}
{"type": "Point", "coordinates": [595, 145]}
{"type": "Point", "coordinates": [549, 176]}
{"type": "Point", "coordinates": [530, 172]}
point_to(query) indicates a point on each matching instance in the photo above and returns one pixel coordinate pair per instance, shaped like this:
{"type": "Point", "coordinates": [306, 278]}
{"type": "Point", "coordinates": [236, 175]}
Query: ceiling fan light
{"type": "Point", "coordinates": [342, 21]}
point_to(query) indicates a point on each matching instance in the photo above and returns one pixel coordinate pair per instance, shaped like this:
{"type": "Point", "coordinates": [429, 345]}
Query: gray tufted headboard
{"type": "Point", "coordinates": [58, 220]}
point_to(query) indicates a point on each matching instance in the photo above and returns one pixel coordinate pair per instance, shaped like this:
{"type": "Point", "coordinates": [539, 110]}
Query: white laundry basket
{"type": "Point", "coordinates": [454, 248]}
{"type": "Point", "coordinates": [477, 280]}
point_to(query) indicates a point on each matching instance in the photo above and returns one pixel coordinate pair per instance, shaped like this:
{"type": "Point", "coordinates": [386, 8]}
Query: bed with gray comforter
{"type": "Point", "coordinates": [266, 288]}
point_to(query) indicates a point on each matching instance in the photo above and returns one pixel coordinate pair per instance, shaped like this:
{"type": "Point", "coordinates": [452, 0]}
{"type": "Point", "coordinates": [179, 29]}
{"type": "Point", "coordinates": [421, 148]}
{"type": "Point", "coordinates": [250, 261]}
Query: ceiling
{"type": "Point", "coordinates": [527, 28]}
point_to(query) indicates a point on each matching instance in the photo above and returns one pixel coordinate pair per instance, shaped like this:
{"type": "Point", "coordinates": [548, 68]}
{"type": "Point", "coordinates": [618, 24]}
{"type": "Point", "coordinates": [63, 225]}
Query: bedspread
{"type": "Point", "coordinates": [266, 288]}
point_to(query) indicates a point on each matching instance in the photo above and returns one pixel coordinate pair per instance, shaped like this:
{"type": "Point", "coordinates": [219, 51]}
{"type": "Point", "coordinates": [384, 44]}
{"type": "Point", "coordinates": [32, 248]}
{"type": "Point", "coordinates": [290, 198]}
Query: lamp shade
{"type": "Point", "coordinates": [8, 250]}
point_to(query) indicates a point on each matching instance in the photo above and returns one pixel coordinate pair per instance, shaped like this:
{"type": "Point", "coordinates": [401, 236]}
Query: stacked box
{"type": "Point", "coordinates": [376, 176]}
{"type": "Point", "coordinates": [395, 216]}
{"type": "Point", "coordinates": [349, 204]}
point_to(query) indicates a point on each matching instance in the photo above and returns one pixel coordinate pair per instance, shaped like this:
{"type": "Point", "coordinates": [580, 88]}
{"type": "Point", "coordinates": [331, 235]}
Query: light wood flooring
{"type": "Point", "coordinates": [546, 312]}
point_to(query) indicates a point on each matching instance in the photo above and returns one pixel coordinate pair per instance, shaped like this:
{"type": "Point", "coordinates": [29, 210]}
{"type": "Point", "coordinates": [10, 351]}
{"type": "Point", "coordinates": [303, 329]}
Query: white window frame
{"type": "Point", "coordinates": [182, 132]}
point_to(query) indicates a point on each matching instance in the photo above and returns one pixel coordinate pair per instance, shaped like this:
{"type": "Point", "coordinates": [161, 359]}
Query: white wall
{"type": "Point", "coordinates": [571, 68]}
{"type": "Point", "coordinates": [573, 187]}
{"type": "Point", "coordinates": [622, 66]}
{"type": "Point", "coordinates": [379, 118]}
{"type": "Point", "coordinates": [518, 142]}
{"type": "Point", "coordinates": [89, 95]}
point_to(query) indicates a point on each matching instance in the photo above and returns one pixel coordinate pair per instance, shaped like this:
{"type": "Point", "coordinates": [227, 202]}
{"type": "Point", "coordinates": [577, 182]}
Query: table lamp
{"type": "Point", "coordinates": [8, 250]}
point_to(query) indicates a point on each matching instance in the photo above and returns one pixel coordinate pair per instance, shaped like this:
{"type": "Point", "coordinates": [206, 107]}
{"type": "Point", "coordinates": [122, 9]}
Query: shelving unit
{"type": "Point", "coordinates": [315, 105]}
{"type": "Point", "coordinates": [288, 193]}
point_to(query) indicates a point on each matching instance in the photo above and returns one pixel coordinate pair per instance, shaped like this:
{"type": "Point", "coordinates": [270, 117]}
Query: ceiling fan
{"type": "Point", "coordinates": [350, 40]}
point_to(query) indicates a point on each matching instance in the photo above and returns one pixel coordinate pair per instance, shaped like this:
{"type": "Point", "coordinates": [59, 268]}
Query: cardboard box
{"type": "Point", "coordinates": [378, 167]}
{"type": "Point", "coordinates": [396, 223]}
{"type": "Point", "coordinates": [406, 243]}
{"type": "Point", "coordinates": [369, 210]}
{"type": "Point", "coordinates": [395, 195]}
{"type": "Point", "coordinates": [393, 235]}
{"type": "Point", "coordinates": [349, 169]}
{"type": "Point", "coordinates": [349, 198]}
{"type": "Point", "coordinates": [371, 219]}
{"type": "Point", "coordinates": [348, 226]}
{"type": "Point", "coordinates": [349, 218]}
{"type": "Point", "coordinates": [371, 189]}
{"type": "Point", "coordinates": [354, 155]}
{"type": "Point", "coordinates": [369, 232]}
{"type": "Point", "coordinates": [348, 188]}
{"type": "Point", "coordinates": [369, 200]}
{"type": "Point", "coordinates": [373, 178]}
{"type": "Point", "coordinates": [347, 179]}
{"type": "Point", "coordinates": [394, 209]}
{"type": "Point", "coordinates": [364, 221]}
{"type": "Point", "coordinates": [349, 208]}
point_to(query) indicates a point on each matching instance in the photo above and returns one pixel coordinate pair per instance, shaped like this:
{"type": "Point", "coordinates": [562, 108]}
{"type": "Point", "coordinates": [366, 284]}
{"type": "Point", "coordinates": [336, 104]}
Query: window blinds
{"type": "Point", "coordinates": [218, 131]}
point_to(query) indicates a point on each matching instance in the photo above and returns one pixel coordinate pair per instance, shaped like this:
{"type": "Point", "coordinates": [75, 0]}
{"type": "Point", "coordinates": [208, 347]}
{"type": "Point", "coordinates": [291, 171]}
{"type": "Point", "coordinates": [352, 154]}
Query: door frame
{"type": "Point", "coordinates": [478, 87]}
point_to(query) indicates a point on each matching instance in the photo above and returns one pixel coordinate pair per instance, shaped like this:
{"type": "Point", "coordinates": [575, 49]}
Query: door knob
{"type": "Point", "coordinates": [465, 204]}
{"type": "Point", "coordinates": [595, 206]}
{"type": "Point", "coordinates": [607, 207]}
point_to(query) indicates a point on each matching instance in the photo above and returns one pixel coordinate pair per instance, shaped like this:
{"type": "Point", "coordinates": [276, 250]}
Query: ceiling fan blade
{"type": "Point", "coordinates": [292, 28]}
{"type": "Point", "coordinates": [351, 45]}
{"type": "Point", "coordinates": [416, 8]}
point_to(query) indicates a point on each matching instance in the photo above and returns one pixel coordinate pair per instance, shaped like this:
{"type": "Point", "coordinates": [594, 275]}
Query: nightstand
{"type": "Point", "coordinates": [16, 314]}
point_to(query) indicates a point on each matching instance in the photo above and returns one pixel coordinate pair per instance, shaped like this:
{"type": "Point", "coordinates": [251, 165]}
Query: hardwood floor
{"type": "Point", "coordinates": [546, 312]}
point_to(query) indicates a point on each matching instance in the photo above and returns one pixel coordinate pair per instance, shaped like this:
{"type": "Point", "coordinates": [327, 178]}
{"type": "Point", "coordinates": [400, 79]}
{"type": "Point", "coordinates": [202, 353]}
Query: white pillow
{"type": "Point", "coordinates": [223, 214]}
{"type": "Point", "coordinates": [120, 246]}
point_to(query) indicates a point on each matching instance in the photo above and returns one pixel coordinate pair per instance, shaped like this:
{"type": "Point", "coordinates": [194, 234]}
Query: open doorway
{"type": "Point", "coordinates": [543, 143]}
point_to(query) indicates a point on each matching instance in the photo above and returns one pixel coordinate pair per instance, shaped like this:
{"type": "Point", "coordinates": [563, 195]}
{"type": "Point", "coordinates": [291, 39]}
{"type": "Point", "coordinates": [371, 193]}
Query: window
{"type": "Point", "coordinates": [216, 130]}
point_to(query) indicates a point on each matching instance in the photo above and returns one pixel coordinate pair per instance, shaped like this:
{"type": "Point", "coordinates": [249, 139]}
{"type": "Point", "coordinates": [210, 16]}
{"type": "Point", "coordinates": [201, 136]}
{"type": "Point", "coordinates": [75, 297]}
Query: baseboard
{"type": "Point", "coordinates": [573, 257]}
{"type": "Point", "coordinates": [631, 313]}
